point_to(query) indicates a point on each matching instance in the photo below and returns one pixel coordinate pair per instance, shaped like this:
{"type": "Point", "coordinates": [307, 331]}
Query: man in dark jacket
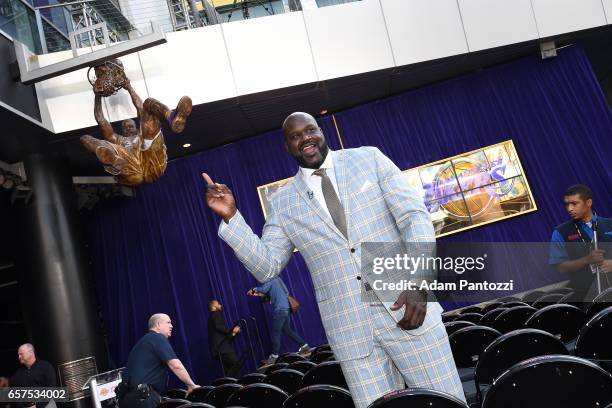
{"type": "Point", "coordinates": [32, 372]}
{"type": "Point", "coordinates": [146, 373]}
{"type": "Point", "coordinates": [220, 340]}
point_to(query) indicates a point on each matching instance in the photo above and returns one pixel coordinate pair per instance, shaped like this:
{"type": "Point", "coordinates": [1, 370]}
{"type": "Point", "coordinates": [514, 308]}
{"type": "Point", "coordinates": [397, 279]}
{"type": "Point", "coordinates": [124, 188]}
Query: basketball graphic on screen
{"type": "Point", "coordinates": [469, 176]}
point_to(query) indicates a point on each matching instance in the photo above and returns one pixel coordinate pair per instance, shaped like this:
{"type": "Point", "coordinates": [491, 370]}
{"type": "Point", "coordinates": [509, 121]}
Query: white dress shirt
{"type": "Point", "coordinates": [314, 182]}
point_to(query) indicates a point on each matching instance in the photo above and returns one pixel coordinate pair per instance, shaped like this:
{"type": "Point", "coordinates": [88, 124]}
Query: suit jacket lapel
{"type": "Point", "coordinates": [302, 190]}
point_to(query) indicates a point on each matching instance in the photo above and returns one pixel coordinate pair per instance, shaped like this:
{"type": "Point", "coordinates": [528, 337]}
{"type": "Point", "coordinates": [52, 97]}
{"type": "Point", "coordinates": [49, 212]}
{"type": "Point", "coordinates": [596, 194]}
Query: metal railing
{"type": "Point", "coordinates": [46, 28]}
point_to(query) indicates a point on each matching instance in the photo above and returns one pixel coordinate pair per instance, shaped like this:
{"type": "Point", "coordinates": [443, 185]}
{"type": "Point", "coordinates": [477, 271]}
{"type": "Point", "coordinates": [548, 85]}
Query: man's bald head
{"type": "Point", "coordinates": [298, 116]}
{"type": "Point", "coordinates": [26, 355]}
{"type": "Point", "coordinates": [304, 140]}
{"type": "Point", "coordinates": [161, 323]}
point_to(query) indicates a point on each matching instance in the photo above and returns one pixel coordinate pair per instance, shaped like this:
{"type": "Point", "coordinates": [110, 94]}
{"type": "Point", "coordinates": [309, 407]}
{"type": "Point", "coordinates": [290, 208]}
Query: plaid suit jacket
{"type": "Point", "coordinates": [380, 206]}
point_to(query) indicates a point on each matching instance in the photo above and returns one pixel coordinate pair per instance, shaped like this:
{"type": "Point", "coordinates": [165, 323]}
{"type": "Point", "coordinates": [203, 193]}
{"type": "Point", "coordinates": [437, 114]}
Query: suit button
{"type": "Point", "coordinates": [358, 277]}
{"type": "Point", "coordinates": [352, 250]}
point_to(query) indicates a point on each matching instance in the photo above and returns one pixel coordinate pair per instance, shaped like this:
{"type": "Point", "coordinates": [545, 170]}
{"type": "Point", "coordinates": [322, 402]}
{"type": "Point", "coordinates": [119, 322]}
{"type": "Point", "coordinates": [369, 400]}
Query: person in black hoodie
{"type": "Point", "coordinates": [220, 340]}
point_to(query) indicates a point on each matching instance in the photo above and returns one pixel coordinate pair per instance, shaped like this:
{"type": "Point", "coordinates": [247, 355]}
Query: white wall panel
{"type": "Point", "coordinates": [608, 9]}
{"type": "Point", "coordinates": [262, 54]}
{"type": "Point", "coordinates": [269, 52]}
{"type": "Point", "coordinates": [348, 39]}
{"type": "Point", "coordinates": [494, 23]}
{"type": "Point", "coordinates": [563, 16]}
{"type": "Point", "coordinates": [422, 30]}
{"type": "Point", "coordinates": [192, 62]}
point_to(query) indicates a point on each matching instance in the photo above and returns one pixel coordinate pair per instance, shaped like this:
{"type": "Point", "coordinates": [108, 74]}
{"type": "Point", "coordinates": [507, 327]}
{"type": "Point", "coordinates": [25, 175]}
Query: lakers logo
{"type": "Point", "coordinates": [467, 187]}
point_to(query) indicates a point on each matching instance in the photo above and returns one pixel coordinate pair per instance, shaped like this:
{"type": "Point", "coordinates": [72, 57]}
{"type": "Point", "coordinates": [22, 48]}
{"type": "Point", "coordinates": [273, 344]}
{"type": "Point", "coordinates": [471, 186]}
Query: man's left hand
{"type": "Point", "coordinates": [606, 266]}
{"type": "Point", "coordinates": [415, 311]}
{"type": "Point", "coordinates": [191, 388]}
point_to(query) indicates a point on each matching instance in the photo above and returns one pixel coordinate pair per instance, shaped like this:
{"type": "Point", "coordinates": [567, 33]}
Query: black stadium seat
{"type": "Point", "coordinates": [595, 339]}
{"type": "Point", "coordinates": [220, 394]}
{"type": "Point", "coordinates": [258, 396]}
{"type": "Point", "coordinates": [199, 394]}
{"type": "Point", "coordinates": [532, 296]}
{"type": "Point", "coordinates": [551, 381]}
{"type": "Point", "coordinates": [273, 367]}
{"type": "Point", "coordinates": [562, 321]}
{"type": "Point", "coordinates": [328, 372]}
{"type": "Point", "coordinates": [511, 348]}
{"type": "Point", "coordinates": [449, 317]}
{"type": "Point", "coordinates": [286, 379]}
{"type": "Point", "coordinates": [546, 300]}
{"type": "Point", "coordinates": [453, 326]}
{"type": "Point", "coordinates": [509, 299]}
{"type": "Point", "coordinates": [320, 396]}
{"type": "Point", "coordinates": [564, 290]}
{"type": "Point", "coordinates": [321, 356]}
{"type": "Point", "coordinates": [173, 403]}
{"type": "Point", "coordinates": [513, 318]}
{"type": "Point", "coordinates": [290, 358]}
{"type": "Point", "coordinates": [302, 366]}
{"type": "Point", "coordinates": [417, 398]}
{"type": "Point", "coordinates": [490, 306]}
{"type": "Point", "coordinates": [515, 303]}
{"type": "Point", "coordinates": [223, 380]}
{"type": "Point", "coordinates": [176, 393]}
{"type": "Point", "coordinates": [569, 299]}
{"type": "Point", "coordinates": [471, 309]}
{"type": "Point", "coordinates": [469, 342]}
{"type": "Point", "coordinates": [489, 317]}
{"type": "Point", "coordinates": [322, 347]}
{"type": "Point", "coordinates": [601, 302]}
{"type": "Point", "coordinates": [251, 378]}
{"type": "Point", "coordinates": [469, 317]}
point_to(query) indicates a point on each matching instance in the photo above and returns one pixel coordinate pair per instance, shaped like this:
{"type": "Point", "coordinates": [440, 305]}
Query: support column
{"type": "Point", "coordinates": [56, 285]}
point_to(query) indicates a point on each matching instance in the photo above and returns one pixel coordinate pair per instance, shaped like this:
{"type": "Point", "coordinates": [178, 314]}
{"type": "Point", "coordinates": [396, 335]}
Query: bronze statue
{"type": "Point", "coordinates": [139, 155]}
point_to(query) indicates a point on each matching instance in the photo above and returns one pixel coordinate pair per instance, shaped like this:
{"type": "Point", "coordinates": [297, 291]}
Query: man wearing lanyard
{"type": "Point", "coordinates": [573, 250]}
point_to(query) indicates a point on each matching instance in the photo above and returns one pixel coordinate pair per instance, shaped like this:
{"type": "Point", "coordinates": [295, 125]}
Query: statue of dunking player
{"type": "Point", "coordinates": [139, 155]}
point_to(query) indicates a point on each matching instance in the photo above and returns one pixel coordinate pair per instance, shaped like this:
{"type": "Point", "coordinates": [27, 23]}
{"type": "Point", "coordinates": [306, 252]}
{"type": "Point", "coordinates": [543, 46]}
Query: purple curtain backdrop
{"type": "Point", "coordinates": [159, 251]}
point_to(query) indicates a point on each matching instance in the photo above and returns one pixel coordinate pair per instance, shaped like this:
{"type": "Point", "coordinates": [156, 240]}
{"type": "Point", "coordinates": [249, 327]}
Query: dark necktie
{"type": "Point", "coordinates": [332, 201]}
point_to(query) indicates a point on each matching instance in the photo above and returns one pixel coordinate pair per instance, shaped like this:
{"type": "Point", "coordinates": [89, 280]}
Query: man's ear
{"type": "Point", "coordinates": [589, 202]}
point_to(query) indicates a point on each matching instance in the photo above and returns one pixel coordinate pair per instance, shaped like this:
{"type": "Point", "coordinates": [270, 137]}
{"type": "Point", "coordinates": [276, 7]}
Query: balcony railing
{"type": "Point", "coordinates": [45, 27]}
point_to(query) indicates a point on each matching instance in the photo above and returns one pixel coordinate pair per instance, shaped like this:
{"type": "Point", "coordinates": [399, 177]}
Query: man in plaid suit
{"type": "Point", "coordinates": [379, 345]}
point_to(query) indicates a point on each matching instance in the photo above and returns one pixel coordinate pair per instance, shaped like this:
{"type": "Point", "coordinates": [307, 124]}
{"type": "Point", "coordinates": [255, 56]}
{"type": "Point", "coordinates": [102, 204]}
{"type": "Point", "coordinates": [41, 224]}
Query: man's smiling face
{"type": "Point", "coordinates": [305, 141]}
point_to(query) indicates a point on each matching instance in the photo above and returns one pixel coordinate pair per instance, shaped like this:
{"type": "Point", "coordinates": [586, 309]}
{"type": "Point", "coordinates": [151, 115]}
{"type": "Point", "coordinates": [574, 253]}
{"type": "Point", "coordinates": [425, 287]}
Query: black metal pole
{"type": "Point", "coordinates": [56, 286]}
{"type": "Point", "coordinates": [250, 341]}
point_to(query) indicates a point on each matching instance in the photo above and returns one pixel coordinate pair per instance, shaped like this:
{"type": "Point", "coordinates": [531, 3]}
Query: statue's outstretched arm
{"type": "Point", "coordinates": [105, 127]}
{"type": "Point", "coordinates": [135, 99]}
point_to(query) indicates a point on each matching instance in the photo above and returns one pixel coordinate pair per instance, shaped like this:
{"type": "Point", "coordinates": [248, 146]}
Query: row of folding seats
{"type": "Point", "coordinates": [539, 299]}
{"type": "Point", "coordinates": [294, 382]}
{"type": "Point", "coordinates": [319, 396]}
{"type": "Point", "coordinates": [508, 332]}
{"type": "Point", "coordinates": [260, 395]}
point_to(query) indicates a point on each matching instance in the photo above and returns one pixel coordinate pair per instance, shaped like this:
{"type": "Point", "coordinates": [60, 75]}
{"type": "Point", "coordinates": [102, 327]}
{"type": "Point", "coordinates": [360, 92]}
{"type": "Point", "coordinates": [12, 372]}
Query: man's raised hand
{"type": "Point", "coordinates": [219, 198]}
